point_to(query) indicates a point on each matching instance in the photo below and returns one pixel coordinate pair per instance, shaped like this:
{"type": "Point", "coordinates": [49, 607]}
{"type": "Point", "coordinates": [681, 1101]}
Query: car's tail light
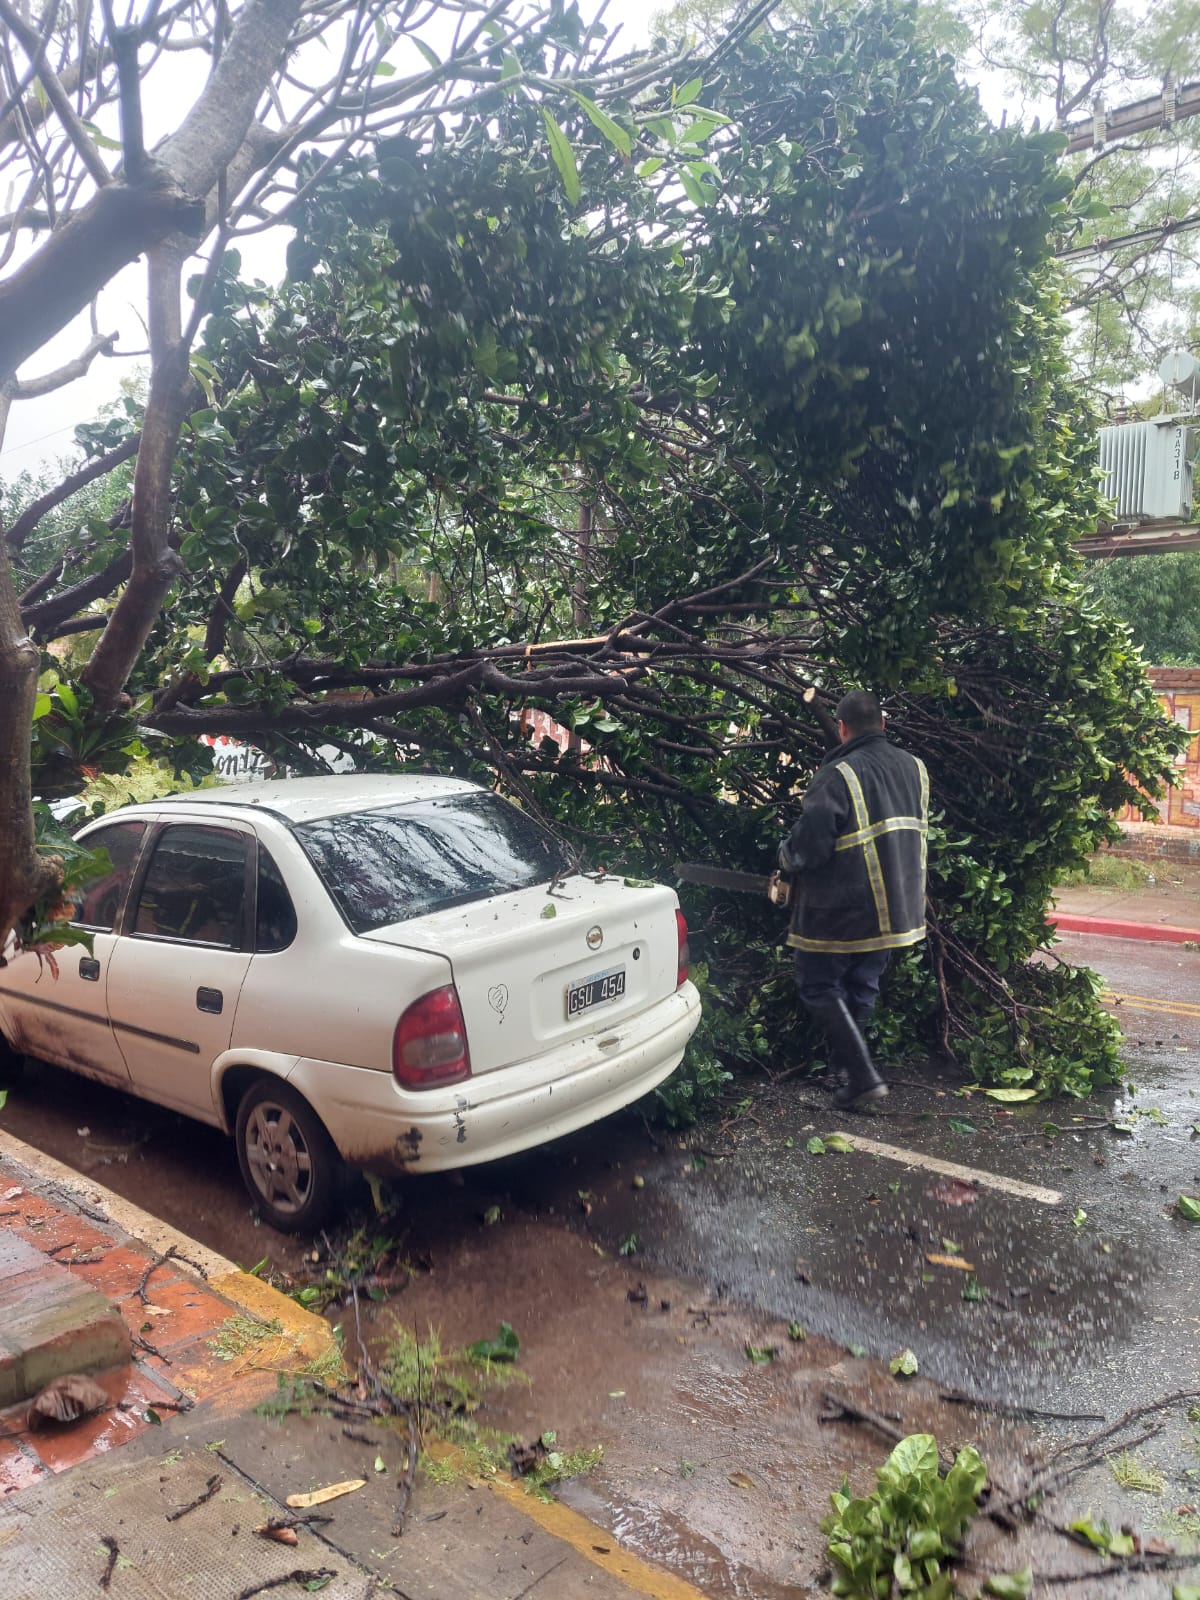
{"type": "Point", "coordinates": [684, 953]}
{"type": "Point", "coordinates": [429, 1048]}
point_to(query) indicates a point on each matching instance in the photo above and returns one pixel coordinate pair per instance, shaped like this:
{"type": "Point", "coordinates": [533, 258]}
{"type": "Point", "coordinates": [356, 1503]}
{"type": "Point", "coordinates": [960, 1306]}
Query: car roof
{"type": "Point", "coordinates": [305, 799]}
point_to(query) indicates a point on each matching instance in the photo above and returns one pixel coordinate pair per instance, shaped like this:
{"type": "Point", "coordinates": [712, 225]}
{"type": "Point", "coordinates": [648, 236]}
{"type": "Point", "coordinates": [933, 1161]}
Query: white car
{"type": "Point", "coordinates": [385, 970]}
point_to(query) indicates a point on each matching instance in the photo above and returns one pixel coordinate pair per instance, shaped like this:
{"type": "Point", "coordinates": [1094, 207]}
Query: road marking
{"type": "Point", "coordinates": [586, 1538]}
{"type": "Point", "coordinates": [1148, 1002]}
{"type": "Point", "coordinates": [595, 1544]}
{"type": "Point", "coordinates": [951, 1169]}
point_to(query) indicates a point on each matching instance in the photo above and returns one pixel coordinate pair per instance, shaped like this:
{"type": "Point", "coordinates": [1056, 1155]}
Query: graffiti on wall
{"type": "Point", "coordinates": [1179, 696]}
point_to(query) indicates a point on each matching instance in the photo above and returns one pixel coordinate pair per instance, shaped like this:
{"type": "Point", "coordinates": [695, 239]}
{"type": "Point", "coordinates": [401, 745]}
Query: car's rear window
{"type": "Point", "coordinates": [388, 866]}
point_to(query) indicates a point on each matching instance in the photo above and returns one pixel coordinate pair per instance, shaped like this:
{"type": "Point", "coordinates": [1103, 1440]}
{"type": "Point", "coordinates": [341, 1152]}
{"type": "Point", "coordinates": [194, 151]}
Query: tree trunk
{"type": "Point", "coordinates": [24, 875]}
{"type": "Point", "coordinates": [155, 566]}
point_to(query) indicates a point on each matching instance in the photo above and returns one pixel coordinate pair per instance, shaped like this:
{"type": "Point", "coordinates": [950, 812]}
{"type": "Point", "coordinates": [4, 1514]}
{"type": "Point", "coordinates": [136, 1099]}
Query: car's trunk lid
{"type": "Point", "coordinates": [534, 970]}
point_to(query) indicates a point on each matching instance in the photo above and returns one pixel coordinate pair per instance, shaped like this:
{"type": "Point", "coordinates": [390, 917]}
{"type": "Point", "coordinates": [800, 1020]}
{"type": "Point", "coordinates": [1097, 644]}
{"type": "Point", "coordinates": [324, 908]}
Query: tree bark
{"type": "Point", "coordinates": [155, 566]}
{"type": "Point", "coordinates": [123, 221]}
{"type": "Point", "coordinates": [25, 876]}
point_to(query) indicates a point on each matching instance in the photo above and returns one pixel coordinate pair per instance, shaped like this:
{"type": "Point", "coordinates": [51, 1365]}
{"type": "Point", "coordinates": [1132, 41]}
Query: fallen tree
{"type": "Point", "coordinates": [658, 416]}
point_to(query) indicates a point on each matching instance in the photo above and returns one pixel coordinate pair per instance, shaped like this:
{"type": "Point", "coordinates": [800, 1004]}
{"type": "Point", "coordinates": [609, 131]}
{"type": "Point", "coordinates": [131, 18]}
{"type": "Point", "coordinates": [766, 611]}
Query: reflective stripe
{"type": "Point", "coordinates": [924, 771]}
{"type": "Point", "coordinates": [848, 841]}
{"type": "Point", "coordinates": [837, 947]}
{"type": "Point", "coordinates": [870, 854]}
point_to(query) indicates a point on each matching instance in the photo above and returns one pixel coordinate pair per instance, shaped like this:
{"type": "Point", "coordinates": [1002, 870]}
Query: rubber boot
{"type": "Point", "coordinates": [850, 1053]}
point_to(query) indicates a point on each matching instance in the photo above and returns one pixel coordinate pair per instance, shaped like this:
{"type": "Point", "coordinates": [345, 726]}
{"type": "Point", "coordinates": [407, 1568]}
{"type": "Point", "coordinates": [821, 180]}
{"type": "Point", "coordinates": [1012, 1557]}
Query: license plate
{"type": "Point", "coordinates": [597, 990]}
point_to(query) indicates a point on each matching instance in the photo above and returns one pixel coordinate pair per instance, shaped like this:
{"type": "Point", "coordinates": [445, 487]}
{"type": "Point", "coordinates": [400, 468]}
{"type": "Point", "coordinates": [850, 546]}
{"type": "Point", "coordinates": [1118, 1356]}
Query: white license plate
{"type": "Point", "coordinates": [597, 990]}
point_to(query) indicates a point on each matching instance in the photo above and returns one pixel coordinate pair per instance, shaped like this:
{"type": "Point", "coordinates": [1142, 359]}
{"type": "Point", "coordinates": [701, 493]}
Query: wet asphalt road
{"type": "Point", "coordinates": [1067, 1305]}
{"type": "Point", "coordinates": [1062, 1303]}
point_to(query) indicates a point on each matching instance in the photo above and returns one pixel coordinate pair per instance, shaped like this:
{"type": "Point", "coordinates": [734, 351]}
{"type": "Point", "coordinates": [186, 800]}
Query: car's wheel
{"type": "Point", "coordinates": [288, 1161]}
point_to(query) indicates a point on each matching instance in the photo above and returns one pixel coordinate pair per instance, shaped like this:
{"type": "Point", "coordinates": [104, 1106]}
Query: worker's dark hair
{"type": "Point", "coordinates": [859, 710]}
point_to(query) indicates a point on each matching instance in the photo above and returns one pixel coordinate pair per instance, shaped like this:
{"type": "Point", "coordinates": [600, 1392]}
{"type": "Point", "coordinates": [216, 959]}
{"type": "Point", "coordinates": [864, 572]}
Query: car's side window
{"type": "Point", "coordinates": [195, 887]}
{"type": "Point", "coordinates": [276, 918]}
{"type": "Point", "coordinates": [96, 905]}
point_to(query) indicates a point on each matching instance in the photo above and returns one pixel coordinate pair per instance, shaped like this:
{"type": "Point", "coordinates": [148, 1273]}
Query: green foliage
{"type": "Point", "coordinates": [1157, 597]}
{"type": "Point", "coordinates": [902, 1538]}
{"type": "Point", "coordinates": [823, 346]}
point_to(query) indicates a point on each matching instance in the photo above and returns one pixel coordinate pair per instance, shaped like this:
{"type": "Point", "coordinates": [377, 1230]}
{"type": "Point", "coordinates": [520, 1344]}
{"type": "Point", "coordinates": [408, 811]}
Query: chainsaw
{"type": "Point", "coordinates": [775, 885]}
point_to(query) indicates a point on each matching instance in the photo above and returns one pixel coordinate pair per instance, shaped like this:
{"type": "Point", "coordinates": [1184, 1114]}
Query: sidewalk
{"type": "Point", "coordinates": [1164, 910]}
{"type": "Point", "coordinates": [162, 1494]}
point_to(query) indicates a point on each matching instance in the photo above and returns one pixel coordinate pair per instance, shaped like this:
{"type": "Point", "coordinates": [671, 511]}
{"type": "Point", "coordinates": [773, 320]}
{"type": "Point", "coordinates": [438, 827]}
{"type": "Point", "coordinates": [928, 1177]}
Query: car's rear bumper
{"type": "Point", "coordinates": [377, 1125]}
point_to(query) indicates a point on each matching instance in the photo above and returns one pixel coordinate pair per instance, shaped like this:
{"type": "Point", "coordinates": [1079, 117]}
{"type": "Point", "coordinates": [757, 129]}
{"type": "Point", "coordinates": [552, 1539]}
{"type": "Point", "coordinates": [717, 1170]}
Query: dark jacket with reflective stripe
{"type": "Point", "coordinates": [857, 853]}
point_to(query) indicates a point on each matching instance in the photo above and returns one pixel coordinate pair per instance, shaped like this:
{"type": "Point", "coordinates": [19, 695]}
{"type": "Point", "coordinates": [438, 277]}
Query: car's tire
{"type": "Point", "coordinates": [12, 1063]}
{"type": "Point", "coordinates": [289, 1163]}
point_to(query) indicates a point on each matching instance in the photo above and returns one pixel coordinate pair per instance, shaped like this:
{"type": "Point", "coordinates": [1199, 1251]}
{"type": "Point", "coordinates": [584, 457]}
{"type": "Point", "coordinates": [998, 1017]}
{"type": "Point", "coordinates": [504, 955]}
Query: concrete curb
{"type": "Point", "coordinates": [1115, 928]}
{"type": "Point", "coordinates": [312, 1334]}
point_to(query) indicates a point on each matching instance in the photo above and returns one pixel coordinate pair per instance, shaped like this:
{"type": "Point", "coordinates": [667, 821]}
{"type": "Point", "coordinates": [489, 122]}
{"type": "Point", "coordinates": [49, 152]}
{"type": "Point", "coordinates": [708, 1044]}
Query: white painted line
{"type": "Point", "coordinates": [951, 1169]}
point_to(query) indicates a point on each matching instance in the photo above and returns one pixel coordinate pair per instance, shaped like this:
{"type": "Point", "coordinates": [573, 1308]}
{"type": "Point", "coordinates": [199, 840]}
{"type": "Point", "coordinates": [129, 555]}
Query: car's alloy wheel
{"type": "Point", "coordinates": [288, 1161]}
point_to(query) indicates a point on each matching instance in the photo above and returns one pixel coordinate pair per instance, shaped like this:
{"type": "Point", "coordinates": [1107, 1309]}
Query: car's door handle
{"type": "Point", "coordinates": [209, 1000]}
{"type": "Point", "coordinates": [89, 968]}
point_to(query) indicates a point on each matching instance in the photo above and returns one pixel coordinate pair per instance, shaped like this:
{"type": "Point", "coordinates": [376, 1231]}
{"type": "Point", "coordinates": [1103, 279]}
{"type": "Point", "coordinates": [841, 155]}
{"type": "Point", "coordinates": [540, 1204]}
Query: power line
{"type": "Point", "coordinates": [1163, 110]}
{"type": "Point", "coordinates": [1163, 230]}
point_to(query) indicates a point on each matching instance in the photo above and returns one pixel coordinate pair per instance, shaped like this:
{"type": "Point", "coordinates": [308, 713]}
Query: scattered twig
{"type": "Point", "coordinates": [151, 1350]}
{"type": "Point", "coordinates": [68, 1244]}
{"type": "Point", "coordinates": [153, 1267]}
{"type": "Point", "coordinates": [158, 1405]}
{"type": "Point", "coordinates": [309, 1520]}
{"type": "Point", "coordinates": [1122, 1422]}
{"type": "Point", "coordinates": [298, 1575]}
{"type": "Point", "coordinates": [956, 1397]}
{"type": "Point", "coordinates": [114, 1550]}
{"type": "Point", "coordinates": [1120, 1569]}
{"type": "Point", "coordinates": [359, 1438]}
{"type": "Point", "coordinates": [214, 1483]}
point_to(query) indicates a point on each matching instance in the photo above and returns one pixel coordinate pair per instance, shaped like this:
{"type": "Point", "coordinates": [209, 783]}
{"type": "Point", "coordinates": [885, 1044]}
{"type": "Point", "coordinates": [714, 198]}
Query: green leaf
{"type": "Point", "coordinates": [1011, 1096]}
{"type": "Point", "coordinates": [650, 167]}
{"type": "Point", "coordinates": [760, 1354]}
{"type": "Point", "coordinates": [41, 706]}
{"type": "Point", "coordinates": [563, 157]}
{"type": "Point", "coordinates": [1186, 1591]}
{"type": "Point", "coordinates": [839, 1143]}
{"type": "Point", "coordinates": [433, 60]}
{"type": "Point", "coordinates": [612, 131]}
{"type": "Point", "coordinates": [916, 1456]}
{"type": "Point", "coordinates": [380, 1464]}
{"type": "Point", "coordinates": [797, 1332]}
{"type": "Point", "coordinates": [815, 1146]}
{"type": "Point", "coordinates": [1011, 1585]}
{"type": "Point", "coordinates": [152, 1416]}
{"type": "Point", "coordinates": [961, 1125]}
{"type": "Point", "coordinates": [3, 1098]}
{"type": "Point", "coordinates": [689, 92]}
{"type": "Point", "coordinates": [549, 910]}
{"type": "Point", "coordinates": [857, 1350]}
{"type": "Point", "coordinates": [68, 699]}
{"type": "Point", "coordinates": [503, 1347]}
{"type": "Point", "coordinates": [904, 1365]}
{"type": "Point", "coordinates": [1189, 1208]}
{"type": "Point", "coordinates": [1079, 1218]}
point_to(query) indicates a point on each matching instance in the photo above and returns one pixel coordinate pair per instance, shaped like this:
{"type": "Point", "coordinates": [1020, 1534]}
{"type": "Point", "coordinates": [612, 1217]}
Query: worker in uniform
{"type": "Point", "coordinates": [856, 861]}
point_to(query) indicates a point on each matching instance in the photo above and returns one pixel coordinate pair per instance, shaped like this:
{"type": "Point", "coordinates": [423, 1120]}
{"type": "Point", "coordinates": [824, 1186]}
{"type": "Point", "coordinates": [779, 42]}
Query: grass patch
{"type": "Point", "coordinates": [1109, 872]}
{"type": "Point", "coordinates": [1131, 1472]}
{"type": "Point", "coordinates": [448, 1389]}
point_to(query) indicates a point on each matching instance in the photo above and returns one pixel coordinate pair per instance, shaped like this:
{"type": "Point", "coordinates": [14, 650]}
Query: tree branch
{"type": "Point", "coordinates": [37, 509]}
